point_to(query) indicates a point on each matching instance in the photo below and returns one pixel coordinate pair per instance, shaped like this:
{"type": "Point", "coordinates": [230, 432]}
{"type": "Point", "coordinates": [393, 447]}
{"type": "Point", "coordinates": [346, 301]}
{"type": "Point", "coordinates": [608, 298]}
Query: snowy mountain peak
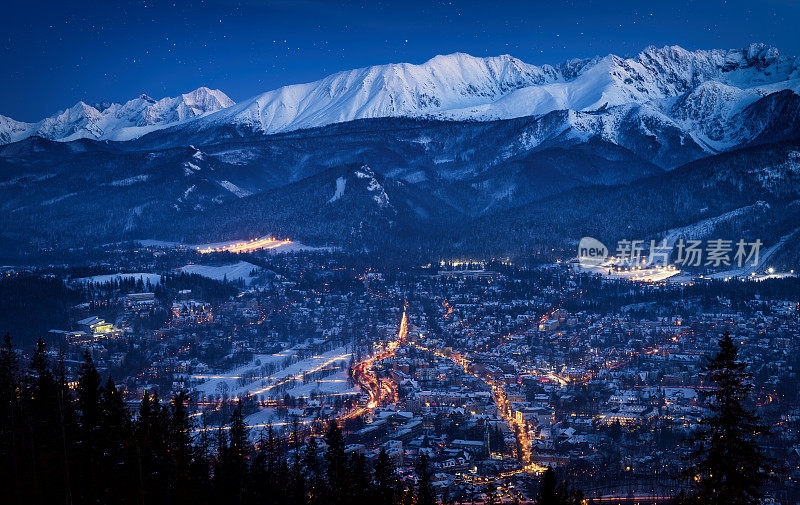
{"type": "Point", "coordinates": [762, 53]}
{"type": "Point", "coordinates": [207, 99]}
{"type": "Point", "coordinates": [105, 104]}
{"type": "Point", "coordinates": [443, 83]}
{"type": "Point", "coordinates": [464, 87]}
{"type": "Point", "coordinates": [117, 121]}
{"type": "Point", "coordinates": [12, 130]}
{"type": "Point", "coordinates": [698, 90]}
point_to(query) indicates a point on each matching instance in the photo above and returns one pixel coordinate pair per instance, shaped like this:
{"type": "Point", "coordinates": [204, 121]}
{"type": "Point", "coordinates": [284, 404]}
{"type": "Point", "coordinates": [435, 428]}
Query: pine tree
{"type": "Point", "coordinates": [89, 422]}
{"type": "Point", "coordinates": [273, 449]}
{"type": "Point", "coordinates": [10, 439]}
{"type": "Point", "coordinates": [282, 478]}
{"type": "Point", "coordinates": [44, 392]}
{"type": "Point", "coordinates": [233, 462]}
{"type": "Point", "coordinates": [89, 449]}
{"type": "Point", "coordinates": [385, 480]}
{"type": "Point", "coordinates": [728, 466]}
{"type": "Point", "coordinates": [152, 455]}
{"type": "Point", "coordinates": [181, 447]}
{"type": "Point", "coordinates": [9, 374]}
{"type": "Point", "coordinates": [336, 462]}
{"type": "Point", "coordinates": [268, 475]}
{"type": "Point", "coordinates": [551, 492]}
{"type": "Point", "coordinates": [315, 483]}
{"type": "Point", "coordinates": [359, 480]}
{"type": "Point", "coordinates": [89, 393]}
{"type": "Point", "coordinates": [43, 426]}
{"type": "Point", "coordinates": [113, 430]}
{"type": "Point", "coordinates": [260, 483]}
{"type": "Point", "coordinates": [425, 495]}
{"type": "Point", "coordinates": [491, 494]}
{"type": "Point", "coordinates": [548, 489]}
{"type": "Point", "coordinates": [298, 493]}
{"type": "Point", "coordinates": [67, 425]}
{"type": "Point", "coordinates": [199, 469]}
{"type": "Point", "coordinates": [239, 444]}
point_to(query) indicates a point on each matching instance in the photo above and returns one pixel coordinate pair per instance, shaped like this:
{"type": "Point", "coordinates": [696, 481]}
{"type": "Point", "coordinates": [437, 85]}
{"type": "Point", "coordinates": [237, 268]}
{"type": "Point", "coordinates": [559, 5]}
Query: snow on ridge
{"type": "Point", "coordinates": [12, 130]}
{"type": "Point", "coordinates": [130, 180]}
{"type": "Point", "coordinates": [459, 86]}
{"type": "Point", "coordinates": [236, 190]}
{"type": "Point", "coordinates": [58, 199]}
{"type": "Point", "coordinates": [704, 227]}
{"type": "Point", "coordinates": [373, 186]}
{"type": "Point", "coordinates": [117, 121]}
{"type": "Point", "coordinates": [455, 86]}
{"type": "Point", "coordinates": [190, 168]}
{"type": "Point", "coordinates": [341, 182]}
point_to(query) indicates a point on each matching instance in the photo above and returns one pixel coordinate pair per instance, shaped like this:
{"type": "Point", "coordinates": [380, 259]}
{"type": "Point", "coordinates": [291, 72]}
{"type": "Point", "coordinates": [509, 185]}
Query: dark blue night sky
{"type": "Point", "coordinates": [56, 53]}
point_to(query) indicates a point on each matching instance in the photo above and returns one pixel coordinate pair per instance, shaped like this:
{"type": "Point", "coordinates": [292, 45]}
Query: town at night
{"type": "Point", "coordinates": [550, 260]}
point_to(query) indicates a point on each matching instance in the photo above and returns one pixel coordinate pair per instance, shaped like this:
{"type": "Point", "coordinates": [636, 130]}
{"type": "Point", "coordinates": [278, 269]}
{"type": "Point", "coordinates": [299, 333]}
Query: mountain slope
{"type": "Point", "coordinates": [762, 183]}
{"type": "Point", "coordinates": [474, 167]}
{"type": "Point", "coordinates": [750, 193]}
{"type": "Point", "coordinates": [350, 206]}
{"type": "Point", "coordinates": [191, 195]}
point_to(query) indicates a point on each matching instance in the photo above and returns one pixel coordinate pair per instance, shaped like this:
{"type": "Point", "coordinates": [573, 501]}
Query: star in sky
{"type": "Point", "coordinates": [55, 53]}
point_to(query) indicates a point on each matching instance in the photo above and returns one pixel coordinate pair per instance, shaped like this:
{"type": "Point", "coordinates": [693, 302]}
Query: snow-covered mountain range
{"type": "Point", "coordinates": [696, 92]}
{"type": "Point", "coordinates": [671, 80]}
{"type": "Point", "coordinates": [457, 146]}
{"type": "Point", "coordinates": [700, 93]}
{"type": "Point", "coordinates": [117, 121]}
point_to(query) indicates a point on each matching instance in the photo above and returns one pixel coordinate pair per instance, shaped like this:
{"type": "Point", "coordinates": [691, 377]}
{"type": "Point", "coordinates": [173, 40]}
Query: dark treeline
{"type": "Point", "coordinates": [30, 305]}
{"type": "Point", "coordinates": [80, 445]}
{"type": "Point", "coordinates": [166, 289]}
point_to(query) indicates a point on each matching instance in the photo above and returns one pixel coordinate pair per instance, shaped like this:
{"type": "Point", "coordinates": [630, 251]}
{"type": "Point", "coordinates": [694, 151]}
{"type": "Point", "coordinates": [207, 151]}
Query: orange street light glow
{"type": "Point", "coordinates": [249, 246]}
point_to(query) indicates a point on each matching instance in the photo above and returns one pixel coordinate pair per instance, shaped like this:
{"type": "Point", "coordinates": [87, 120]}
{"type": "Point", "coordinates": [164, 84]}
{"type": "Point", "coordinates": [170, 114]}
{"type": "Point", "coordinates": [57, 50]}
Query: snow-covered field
{"type": "Point", "coordinates": [280, 380]}
{"type": "Point", "coordinates": [297, 247]}
{"type": "Point", "coordinates": [236, 190]}
{"type": "Point", "coordinates": [277, 249]}
{"type": "Point", "coordinates": [235, 271]}
{"type": "Point", "coordinates": [153, 278]}
{"type": "Point", "coordinates": [332, 385]}
{"type": "Point", "coordinates": [261, 419]}
{"type": "Point", "coordinates": [645, 275]}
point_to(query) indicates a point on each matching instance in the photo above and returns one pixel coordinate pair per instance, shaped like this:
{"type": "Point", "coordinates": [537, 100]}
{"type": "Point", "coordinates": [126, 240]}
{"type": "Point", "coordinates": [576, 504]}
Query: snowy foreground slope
{"type": "Point", "coordinates": [700, 92]}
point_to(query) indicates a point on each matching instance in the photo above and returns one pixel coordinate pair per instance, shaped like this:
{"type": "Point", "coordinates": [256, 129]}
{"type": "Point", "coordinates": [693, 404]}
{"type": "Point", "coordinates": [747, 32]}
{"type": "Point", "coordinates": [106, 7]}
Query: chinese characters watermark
{"type": "Point", "coordinates": [714, 253]}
